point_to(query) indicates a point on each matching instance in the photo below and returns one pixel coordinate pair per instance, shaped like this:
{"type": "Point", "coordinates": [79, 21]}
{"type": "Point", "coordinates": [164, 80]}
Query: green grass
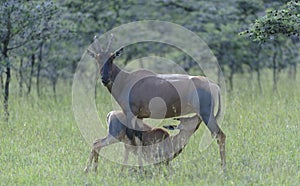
{"type": "Point", "coordinates": [42, 145]}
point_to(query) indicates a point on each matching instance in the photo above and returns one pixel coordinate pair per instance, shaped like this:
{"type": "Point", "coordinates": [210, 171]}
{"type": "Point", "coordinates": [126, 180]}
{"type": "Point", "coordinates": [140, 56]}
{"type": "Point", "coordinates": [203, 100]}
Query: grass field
{"type": "Point", "coordinates": [42, 145]}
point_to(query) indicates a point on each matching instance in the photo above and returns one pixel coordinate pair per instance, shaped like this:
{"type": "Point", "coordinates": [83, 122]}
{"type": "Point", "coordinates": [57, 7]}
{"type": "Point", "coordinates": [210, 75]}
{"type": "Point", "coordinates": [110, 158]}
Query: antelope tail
{"type": "Point", "coordinates": [219, 105]}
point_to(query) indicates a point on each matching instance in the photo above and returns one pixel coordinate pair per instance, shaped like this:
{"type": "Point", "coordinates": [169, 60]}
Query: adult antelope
{"type": "Point", "coordinates": [145, 94]}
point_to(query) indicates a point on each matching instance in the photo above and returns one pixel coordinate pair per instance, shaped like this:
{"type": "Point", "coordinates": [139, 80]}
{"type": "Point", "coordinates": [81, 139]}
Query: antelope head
{"type": "Point", "coordinates": [104, 58]}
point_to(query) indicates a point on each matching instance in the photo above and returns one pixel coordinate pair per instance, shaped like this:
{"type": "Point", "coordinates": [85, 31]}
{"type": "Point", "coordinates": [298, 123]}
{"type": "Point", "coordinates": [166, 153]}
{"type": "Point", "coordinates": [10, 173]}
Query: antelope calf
{"type": "Point", "coordinates": [157, 144]}
{"type": "Point", "coordinates": [119, 132]}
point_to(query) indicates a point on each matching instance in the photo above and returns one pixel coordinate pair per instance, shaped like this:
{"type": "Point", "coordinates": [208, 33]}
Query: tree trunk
{"type": "Point", "coordinates": [259, 80]}
{"type": "Point", "coordinates": [31, 73]}
{"type": "Point", "coordinates": [1, 81]}
{"type": "Point", "coordinates": [54, 78]}
{"type": "Point", "coordinates": [257, 67]}
{"type": "Point", "coordinates": [6, 86]}
{"type": "Point", "coordinates": [21, 78]}
{"type": "Point", "coordinates": [220, 74]}
{"type": "Point", "coordinates": [54, 82]}
{"type": "Point", "coordinates": [275, 72]}
{"type": "Point", "coordinates": [7, 65]}
{"type": "Point", "coordinates": [231, 80]}
{"type": "Point", "coordinates": [74, 66]}
{"type": "Point", "coordinates": [232, 70]}
{"type": "Point", "coordinates": [295, 72]}
{"type": "Point", "coordinates": [39, 66]}
{"type": "Point", "coordinates": [292, 71]}
{"type": "Point", "coordinates": [251, 74]}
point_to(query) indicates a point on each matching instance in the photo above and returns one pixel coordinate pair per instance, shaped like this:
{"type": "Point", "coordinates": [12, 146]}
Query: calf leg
{"type": "Point", "coordinates": [126, 155]}
{"type": "Point", "coordinates": [97, 145]}
{"type": "Point", "coordinates": [128, 149]}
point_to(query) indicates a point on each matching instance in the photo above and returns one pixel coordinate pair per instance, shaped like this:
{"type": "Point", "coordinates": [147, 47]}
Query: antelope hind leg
{"type": "Point", "coordinates": [221, 137]}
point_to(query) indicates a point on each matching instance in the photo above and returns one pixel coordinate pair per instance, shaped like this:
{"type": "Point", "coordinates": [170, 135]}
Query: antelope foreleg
{"type": "Point", "coordinates": [139, 152]}
{"type": "Point", "coordinates": [89, 162]}
{"type": "Point", "coordinates": [94, 154]}
{"type": "Point", "coordinates": [96, 157]}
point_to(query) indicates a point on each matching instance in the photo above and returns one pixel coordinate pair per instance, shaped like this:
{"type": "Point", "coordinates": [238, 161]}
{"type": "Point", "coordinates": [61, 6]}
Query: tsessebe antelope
{"type": "Point", "coordinates": [145, 94]}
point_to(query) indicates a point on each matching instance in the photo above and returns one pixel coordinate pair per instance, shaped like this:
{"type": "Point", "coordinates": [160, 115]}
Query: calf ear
{"type": "Point", "coordinates": [107, 117]}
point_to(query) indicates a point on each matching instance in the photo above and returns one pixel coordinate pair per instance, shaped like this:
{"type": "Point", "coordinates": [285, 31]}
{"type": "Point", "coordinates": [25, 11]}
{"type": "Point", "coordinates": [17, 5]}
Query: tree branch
{"type": "Point", "coordinates": [17, 46]}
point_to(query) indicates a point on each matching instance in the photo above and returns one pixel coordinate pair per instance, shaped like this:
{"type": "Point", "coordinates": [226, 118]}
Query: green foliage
{"type": "Point", "coordinates": [283, 21]}
{"type": "Point", "coordinates": [25, 25]}
{"type": "Point", "coordinates": [216, 22]}
{"type": "Point", "coordinates": [23, 22]}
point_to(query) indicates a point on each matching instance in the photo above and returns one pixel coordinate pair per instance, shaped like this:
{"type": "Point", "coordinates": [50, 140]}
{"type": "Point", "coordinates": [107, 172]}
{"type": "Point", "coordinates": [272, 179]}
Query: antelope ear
{"type": "Point", "coordinates": [118, 52]}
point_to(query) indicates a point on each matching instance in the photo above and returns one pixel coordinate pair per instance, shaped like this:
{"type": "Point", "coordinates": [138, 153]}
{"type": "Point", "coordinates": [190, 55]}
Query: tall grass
{"type": "Point", "coordinates": [42, 145]}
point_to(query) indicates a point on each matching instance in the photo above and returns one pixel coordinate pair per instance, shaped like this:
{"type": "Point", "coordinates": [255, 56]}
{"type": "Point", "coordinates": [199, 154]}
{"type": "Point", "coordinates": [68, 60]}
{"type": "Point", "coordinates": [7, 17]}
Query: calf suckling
{"type": "Point", "coordinates": [158, 146]}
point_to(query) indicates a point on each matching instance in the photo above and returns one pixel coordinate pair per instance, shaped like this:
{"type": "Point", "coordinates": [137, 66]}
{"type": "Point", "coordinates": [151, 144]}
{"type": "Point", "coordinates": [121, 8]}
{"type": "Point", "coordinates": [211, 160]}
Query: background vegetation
{"type": "Point", "coordinates": [257, 46]}
{"type": "Point", "coordinates": [43, 145]}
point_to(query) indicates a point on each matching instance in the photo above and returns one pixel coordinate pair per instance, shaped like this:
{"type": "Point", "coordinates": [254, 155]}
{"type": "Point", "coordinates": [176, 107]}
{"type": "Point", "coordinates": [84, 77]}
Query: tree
{"type": "Point", "coordinates": [276, 22]}
{"type": "Point", "coordinates": [22, 23]}
{"type": "Point", "coordinates": [273, 28]}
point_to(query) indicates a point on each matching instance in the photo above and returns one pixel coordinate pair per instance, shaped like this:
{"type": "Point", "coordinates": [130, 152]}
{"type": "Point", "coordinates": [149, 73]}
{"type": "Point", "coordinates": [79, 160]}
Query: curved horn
{"type": "Point", "coordinates": [109, 43]}
{"type": "Point", "coordinates": [95, 49]}
{"type": "Point", "coordinates": [96, 45]}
